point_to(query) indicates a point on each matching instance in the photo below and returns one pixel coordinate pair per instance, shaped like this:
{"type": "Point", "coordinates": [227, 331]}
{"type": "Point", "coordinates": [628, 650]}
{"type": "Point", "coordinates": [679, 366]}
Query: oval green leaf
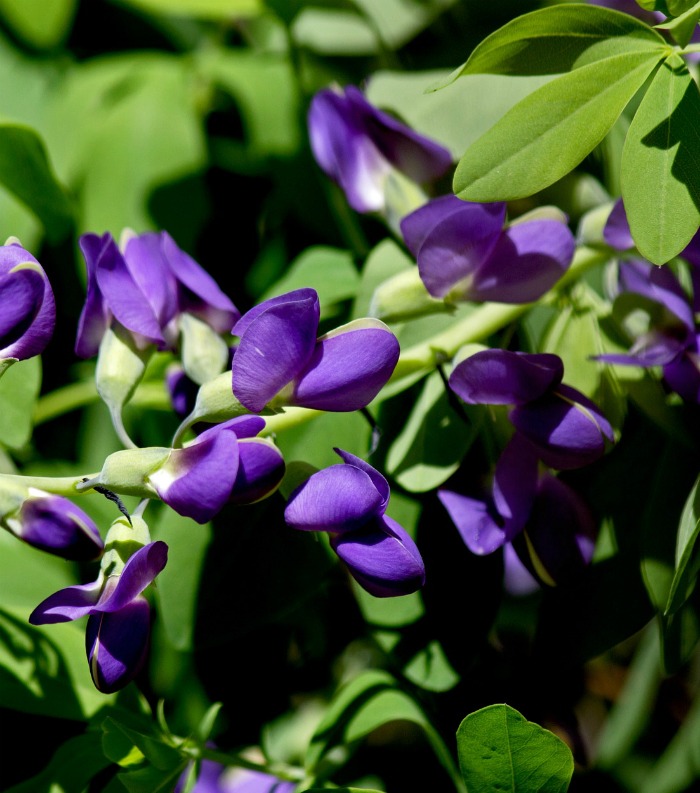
{"type": "Point", "coordinates": [548, 134]}
{"type": "Point", "coordinates": [500, 750]}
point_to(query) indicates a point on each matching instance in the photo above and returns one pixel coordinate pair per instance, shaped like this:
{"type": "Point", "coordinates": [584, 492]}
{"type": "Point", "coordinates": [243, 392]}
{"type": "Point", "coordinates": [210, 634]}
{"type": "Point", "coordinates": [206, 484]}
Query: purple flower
{"type": "Point", "coordinates": [359, 147]}
{"type": "Point", "coordinates": [216, 778]}
{"type": "Point", "coordinates": [118, 627]}
{"type": "Point", "coordinates": [536, 516]}
{"type": "Point", "coordinates": [55, 525]}
{"type": "Point", "coordinates": [226, 463]}
{"type": "Point", "coordinates": [144, 290]}
{"type": "Point", "coordinates": [565, 428]}
{"type": "Point", "coordinates": [464, 252]}
{"type": "Point", "coordinates": [349, 501]}
{"type": "Point", "coordinates": [29, 310]}
{"type": "Point", "coordinates": [279, 356]}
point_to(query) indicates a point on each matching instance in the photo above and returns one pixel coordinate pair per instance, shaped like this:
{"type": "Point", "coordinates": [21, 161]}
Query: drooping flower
{"type": "Point", "coordinates": [360, 147]}
{"type": "Point", "coordinates": [29, 309]}
{"type": "Point", "coordinates": [349, 502]}
{"type": "Point", "coordinates": [145, 290]}
{"type": "Point", "coordinates": [118, 628]}
{"type": "Point", "coordinates": [279, 357]}
{"type": "Point", "coordinates": [54, 524]}
{"type": "Point", "coordinates": [465, 253]}
{"type": "Point", "coordinates": [565, 428]}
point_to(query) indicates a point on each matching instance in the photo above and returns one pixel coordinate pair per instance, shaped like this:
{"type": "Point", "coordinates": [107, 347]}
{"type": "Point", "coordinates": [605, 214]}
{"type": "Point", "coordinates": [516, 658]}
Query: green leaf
{"type": "Point", "coordinates": [559, 39]}
{"type": "Point", "coordinates": [659, 165]}
{"type": "Point", "coordinates": [683, 26]}
{"type": "Point", "coordinates": [432, 443]}
{"type": "Point", "coordinates": [26, 172]}
{"type": "Point", "coordinates": [678, 7]}
{"type": "Point", "coordinates": [150, 779]}
{"type": "Point", "coordinates": [430, 669]}
{"type": "Point", "coordinates": [548, 134]}
{"type": "Point", "coordinates": [152, 747]}
{"type": "Point", "coordinates": [19, 389]}
{"type": "Point", "coordinates": [500, 750]}
{"type": "Point", "coordinates": [687, 554]}
{"type": "Point", "coordinates": [39, 23]}
{"type": "Point", "coordinates": [201, 9]}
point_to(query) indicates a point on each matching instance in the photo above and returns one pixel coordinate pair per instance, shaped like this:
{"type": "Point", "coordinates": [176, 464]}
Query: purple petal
{"type": "Point", "coordinates": [337, 499]}
{"type": "Point", "coordinates": [54, 524]}
{"type": "Point", "coordinates": [617, 230]}
{"type": "Point", "coordinates": [515, 484]}
{"type": "Point", "coordinates": [95, 317]}
{"type": "Point", "coordinates": [651, 349]}
{"type": "Point", "coordinates": [197, 481]}
{"type": "Point", "coordinates": [29, 311]}
{"type": "Point", "coordinates": [275, 346]}
{"type": "Point", "coordinates": [457, 245]}
{"type": "Point", "coordinates": [117, 645]}
{"type": "Point", "coordinates": [683, 374]}
{"type": "Point", "coordinates": [527, 261]}
{"type": "Point", "coordinates": [260, 470]}
{"type": "Point", "coordinates": [377, 479]}
{"type": "Point", "coordinates": [148, 267]}
{"type": "Point", "coordinates": [658, 284]}
{"type": "Point", "coordinates": [500, 377]}
{"type": "Point", "coordinates": [244, 781]}
{"type": "Point", "coordinates": [182, 390]}
{"type": "Point", "coordinates": [347, 371]}
{"type": "Point", "coordinates": [566, 429]}
{"type": "Point", "coordinates": [67, 604]}
{"type": "Point", "coordinates": [382, 558]}
{"type": "Point", "coordinates": [129, 304]}
{"type": "Point", "coordinates": [481, 527]}
{"type": "Point", "coordinates": [198, 292]}
{"type": "Point", "coordinates": [241, 427]}
{"type": "Point", "coordinates": [139, 572]}
{"type": "Point", "coordinates": [517, 580]}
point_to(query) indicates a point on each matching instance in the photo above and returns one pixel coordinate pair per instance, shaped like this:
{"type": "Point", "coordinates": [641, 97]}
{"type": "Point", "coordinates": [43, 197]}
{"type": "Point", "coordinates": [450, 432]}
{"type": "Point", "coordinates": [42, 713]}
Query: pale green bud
{"type": "Point", "coordinates": [204, 352]}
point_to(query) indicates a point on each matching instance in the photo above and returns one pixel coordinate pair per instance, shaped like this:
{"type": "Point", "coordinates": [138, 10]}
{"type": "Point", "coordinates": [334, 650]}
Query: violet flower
{"type": "Point", "coordinates": [465, 253]}
{"type": "Point", "coordinates": [349, 501]}
{"type": "Point", "coordinates": [145, 290]}
{"type": "Point", "coordinates": [225, 464]}
{"type": "Point", "coordinates": [565, 428]}
{"type": "Point", "coordinates": [29, 309]}
{"type": "Point", "coordinates": [279, 357]}
{"type": "Point", "coordinates": [216, 778]}
{"type": "Point", "coordinates": [359, 147]}
{"type": "Point", "coordinates": [118, 627]}
{"type": "Point", "coordinates": [54, 524]}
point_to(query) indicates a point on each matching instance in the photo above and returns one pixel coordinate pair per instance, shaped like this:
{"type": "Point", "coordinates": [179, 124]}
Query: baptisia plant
{"type": "Point", "coordinates": [376, 160]}
{"type": "Point", "coordinates": [29, 309]}
{"type": "Point", "coordinates": [119, 619]}
{"type": "Point", "coordinates": [349, 502]}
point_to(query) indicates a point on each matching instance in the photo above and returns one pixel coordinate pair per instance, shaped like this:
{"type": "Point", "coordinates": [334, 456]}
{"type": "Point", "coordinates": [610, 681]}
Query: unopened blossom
{"type": "Point", "coordinates": [28, 306]}
{"type": "Point", "coordinates": [564, 427]}
{"type": "Point", "coordinates": [144, 290]}
{"type": "Point", "coordinates": [280, 357]}
{"type": "Point", "coordinates": [360, 147]}
{"type": "Point", "coordinates": [349, 502]}
{"type": "Point", "coordinates": [54, 524]}
{"type": "Point", "coordinates": [465, 252]}
{"type": "Point", "coordinates": [119, 620]}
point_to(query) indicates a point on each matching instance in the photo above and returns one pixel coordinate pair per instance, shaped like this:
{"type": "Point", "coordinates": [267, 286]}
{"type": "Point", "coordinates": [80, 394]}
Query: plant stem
{"type": "Point", "coordinates": [59, 485]}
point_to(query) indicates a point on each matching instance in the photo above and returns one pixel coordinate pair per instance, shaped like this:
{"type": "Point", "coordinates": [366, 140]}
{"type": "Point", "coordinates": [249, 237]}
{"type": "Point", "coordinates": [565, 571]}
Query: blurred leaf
{"type": "Point", "coordinates": [334, 31]}
{"type": "Point", "coordinates": [558, 39]}
{"type": "Point", "coordinates": [19, 389]}
{"type": "Point", "coordinates": [162, 756]}
{"type": "Point", "coordinates": [399, 21]}
{"type": "Point", "coordinates": [150, 779]}
{"type": "Point", "coordinates": [659, 162]}
{"type": "Point", "coordinates": [430, 669]}
{"type": "Point", "coordinates": [330, 271]}
{"type": "Point", "coordinates": [433, 442]}
{"type": "Point", "coordinates": [203, 9]}
{"type": "Point", "coordinates": [549, 132]}
{"type": "Point", "coordinates": [26, 172]}
{"type": "Point", "coordinates": [501, 750]}
{"type": "Point", "coordinates": [70, 769]}
{"type": "Point", "coordinates": [687, 554]}
{"type": "Point", "coordinates": [314, 441]}
{"type": "Point", "coordinates": [383, 262]}
{"type": "Point", "coordinates": [39, 23]}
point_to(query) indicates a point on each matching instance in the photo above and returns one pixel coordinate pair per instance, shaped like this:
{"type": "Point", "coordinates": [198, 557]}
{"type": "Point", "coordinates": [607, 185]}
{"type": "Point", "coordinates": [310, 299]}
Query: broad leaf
{"type": "Point", "coordinates": [687, 552]}
{"type": "Point", "coordinates": [548, 134]}
{"type": "Point", "coordinates": [39, 23]}
{"type": "Point", "coordinates": [19, 389]}
{"type": "Point", "coordinates": [501, 750]}
{"type": "Point", "coordinates": [558, 39]}
{"type": "Point", "coordinates": [659, 165]}
{"type": "Point", "coordinates": [683, 26]}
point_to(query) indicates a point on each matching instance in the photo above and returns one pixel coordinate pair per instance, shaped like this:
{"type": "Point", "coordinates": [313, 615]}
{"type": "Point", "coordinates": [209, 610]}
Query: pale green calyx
{"type": "Point", "coordinates": [403, 297]}
{"type": "Point", "coordinates": [204, 352]}
{"type": "Point", "coordinates": [126, 472]}
{"type": "Point", "coordinates": [122, 542]}
{"type": "Point", "coordinates": [12, 496]}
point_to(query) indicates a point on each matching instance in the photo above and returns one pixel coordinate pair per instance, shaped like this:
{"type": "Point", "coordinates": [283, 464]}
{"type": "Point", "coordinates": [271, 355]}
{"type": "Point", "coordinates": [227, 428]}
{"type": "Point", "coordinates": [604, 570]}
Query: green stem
{"type": "Point", "coordinates": [281, 771]}
{"type": "Point", "coordinates": [59, 485]}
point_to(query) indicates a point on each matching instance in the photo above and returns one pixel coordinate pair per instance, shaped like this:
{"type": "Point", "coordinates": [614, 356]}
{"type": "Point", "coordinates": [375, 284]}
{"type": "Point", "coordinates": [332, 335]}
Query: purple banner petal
{"type": "Point", "coordinates": [95, 317]}
{"type": "Point", "coordinates": [260, 470]}
{"type": "Point", "coordinates": [377, 479]}
{"type": "Point", "coordinates": [480, 526]}
{"type": "Point", "coordinates": [139, 571]}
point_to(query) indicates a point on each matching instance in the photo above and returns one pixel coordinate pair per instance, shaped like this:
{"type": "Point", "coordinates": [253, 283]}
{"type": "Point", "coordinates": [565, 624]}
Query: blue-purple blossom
{"type": "Point", "coordinates": [144, 290]}
{"type": "Point", "coordinates": [359, 147]}
{"type": "Point", "coordinates": [225, 464]}
{"type": "Point", "coordinates": [216, 778]}
{"type": "Point", "coordinates": [118, 628]}
{"type": "Point", "coordinates": [528, 513]}
{"type": "Point", "coordinates": [349, 502]}
{"type": "Point", "coordinates": [564, 427]}
{"type": "Point", "coordinates": [29, 309]}
{"type": "Point", "coordinates": [54, 524]}
{"type": "Point", "coordinates": [280, 357]}
{"type": "Point", "coordinates": [464, 252]}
